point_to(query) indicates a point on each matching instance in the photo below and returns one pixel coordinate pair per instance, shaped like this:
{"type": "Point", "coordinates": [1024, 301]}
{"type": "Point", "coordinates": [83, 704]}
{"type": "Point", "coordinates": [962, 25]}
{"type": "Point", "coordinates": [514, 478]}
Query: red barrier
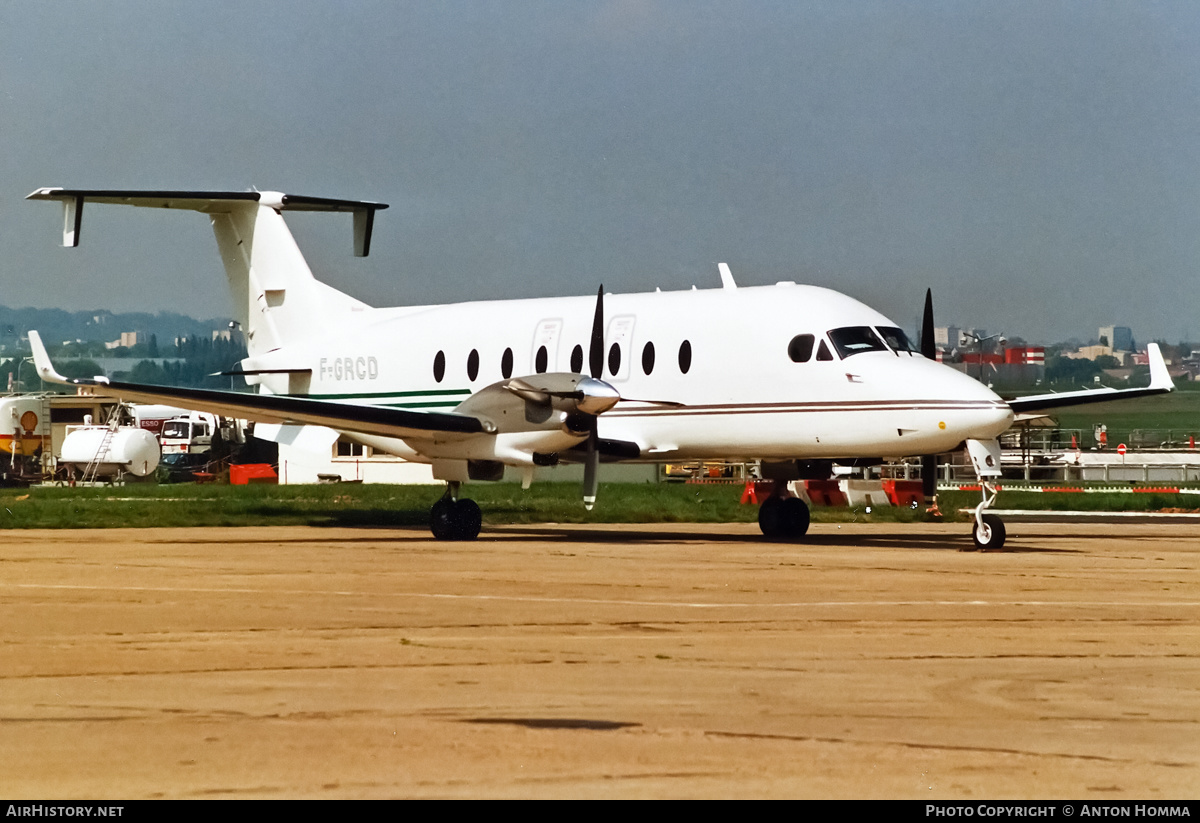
{"type": "Point", "coordinates": [757, 491]}
{"type": "Point", "coordinates": [825, 493]}
{"type": "Point", "coordinates": [252, 473]}
{"type": "Point", "coordinates": [904, 492]}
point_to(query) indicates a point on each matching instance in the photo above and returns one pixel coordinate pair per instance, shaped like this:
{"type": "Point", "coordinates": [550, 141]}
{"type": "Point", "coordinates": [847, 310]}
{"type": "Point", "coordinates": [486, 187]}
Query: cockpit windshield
{"type": "Point", "coordinates": [897, 340]}
{"type": "Point", "coordinates": [852, 340]}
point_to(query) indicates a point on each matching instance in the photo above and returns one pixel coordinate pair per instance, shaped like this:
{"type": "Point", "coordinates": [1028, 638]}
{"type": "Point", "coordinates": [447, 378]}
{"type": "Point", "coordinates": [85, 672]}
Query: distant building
{"type": "Point", "coordinates": [128, 340]}
{"type": "Point", "coordinates": [1025, 355]}
{"type": "Point", "coordinates": [1092, 352]}
{"type": "Point", "coordinates": [947, 337]}
{"type": "Point", "coordinates": [1117, 338]}
{"type": "Point", "coordinates": [1019, 365]}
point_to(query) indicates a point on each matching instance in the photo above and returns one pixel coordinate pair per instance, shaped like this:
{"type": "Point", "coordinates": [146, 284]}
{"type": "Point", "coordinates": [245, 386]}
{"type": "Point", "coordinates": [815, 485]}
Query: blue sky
{"type": "Point", "coordinates": [1033, 162]}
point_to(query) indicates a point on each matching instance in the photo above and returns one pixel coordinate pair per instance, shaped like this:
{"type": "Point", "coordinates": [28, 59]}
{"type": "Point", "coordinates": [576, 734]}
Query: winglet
{"type": "Point", "coordinates": [41, 360]}
{"type": "Point", "coordinates": [1159, 377]}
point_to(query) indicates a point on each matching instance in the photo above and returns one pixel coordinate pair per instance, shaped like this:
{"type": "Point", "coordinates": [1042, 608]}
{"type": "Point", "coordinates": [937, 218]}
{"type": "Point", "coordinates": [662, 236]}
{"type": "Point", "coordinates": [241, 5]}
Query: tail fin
{"type": "Point", "coordinates": [276, 298]}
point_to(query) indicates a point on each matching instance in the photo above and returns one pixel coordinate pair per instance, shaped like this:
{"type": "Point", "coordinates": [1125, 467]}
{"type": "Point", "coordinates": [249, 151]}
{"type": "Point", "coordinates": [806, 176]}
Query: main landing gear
{"type": "Point", "coordinates": [782, 517]}
{"type": "Point", "coordinates": [455, 518]}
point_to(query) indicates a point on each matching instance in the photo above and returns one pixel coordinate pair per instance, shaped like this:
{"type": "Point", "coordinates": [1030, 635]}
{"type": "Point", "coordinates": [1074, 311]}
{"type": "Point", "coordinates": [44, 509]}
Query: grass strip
{"type": "Point", "coordinates": [191, 506]}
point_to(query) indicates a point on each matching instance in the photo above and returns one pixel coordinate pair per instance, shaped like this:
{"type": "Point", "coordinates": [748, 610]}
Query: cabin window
{"type": "Point", "coordinates": [473, 365]}
{"type": "Point", "coordinates": [648, 358]}
{"type": "Point", "coordinates": [852, 340]}
{"type": "Point", "coordinates": [506, 363]}
{"type": "Point", "coordinates": [614, 358]}
{"type": "Point", "coordinates": [540, 362]}
{"type": "Point", "coordinates": [439, 366]}
{"type": "Point", "coordinates": [801, 348]}
{"type": "Point", "coordinates": [344, 448]}
{"type": "Point", "coordinates": [577, 359]}
{"type": "Point", "coordinates": [823, 352]}
{"type": "Point", "coordinates": [685, 356]}
{"type": "Point", "coordinates": [897, 340]}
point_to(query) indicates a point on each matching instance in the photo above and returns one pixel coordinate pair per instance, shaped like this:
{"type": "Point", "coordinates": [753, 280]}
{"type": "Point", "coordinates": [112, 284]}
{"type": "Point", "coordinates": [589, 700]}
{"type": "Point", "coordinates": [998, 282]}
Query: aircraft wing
{"type": "Point", "coordinates": [270, 408]}
{"type": "Point", "coordinates": [1160, 383]}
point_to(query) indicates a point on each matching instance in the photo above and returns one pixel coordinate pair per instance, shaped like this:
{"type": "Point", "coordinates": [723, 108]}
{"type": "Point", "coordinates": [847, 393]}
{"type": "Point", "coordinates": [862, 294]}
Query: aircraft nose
{"type": "Point", "coordinates": [989, 416]}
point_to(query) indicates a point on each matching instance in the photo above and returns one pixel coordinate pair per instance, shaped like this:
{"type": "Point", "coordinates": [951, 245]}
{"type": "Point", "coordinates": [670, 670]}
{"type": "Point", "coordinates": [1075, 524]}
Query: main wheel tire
{"type": "Point", "coordinates": [795, 518]}
{"type": "Point", "coordinates": [455, 519]}
{"type": "Point", "coordinates": [441, 519]}
{"type": "Point", "coordinates": [468, 519]}
{"type": "Point", "coordinates": [992, 535]}
{"type": "Point", "coordinates": [770, 517]}
{"type": "Point", "coordinates": [783, 518]}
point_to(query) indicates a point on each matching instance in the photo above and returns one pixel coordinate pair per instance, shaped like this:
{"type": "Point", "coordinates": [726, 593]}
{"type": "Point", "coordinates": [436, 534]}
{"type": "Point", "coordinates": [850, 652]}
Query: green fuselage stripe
{"type": "Point", "coordinates": [442, 403]}
{"type": "Point", "coordinates": [385, 394]}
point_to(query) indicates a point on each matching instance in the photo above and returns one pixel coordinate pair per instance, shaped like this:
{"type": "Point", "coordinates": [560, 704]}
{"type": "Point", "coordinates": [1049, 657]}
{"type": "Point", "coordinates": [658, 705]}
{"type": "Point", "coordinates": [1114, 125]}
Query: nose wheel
{"type": "Point", "coordinates": [988, 532]}
{"type": "Point", "coordinates": [455, 518]}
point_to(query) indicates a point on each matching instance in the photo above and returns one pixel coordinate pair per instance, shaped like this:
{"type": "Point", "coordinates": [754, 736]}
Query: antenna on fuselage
{"type": "Point", "coordinates": [726, 276]}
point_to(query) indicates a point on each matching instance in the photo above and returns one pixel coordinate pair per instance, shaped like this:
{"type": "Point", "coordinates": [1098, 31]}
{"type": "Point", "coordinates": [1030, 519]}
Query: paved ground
{"type": "Point", "coordinates": [678, 661]}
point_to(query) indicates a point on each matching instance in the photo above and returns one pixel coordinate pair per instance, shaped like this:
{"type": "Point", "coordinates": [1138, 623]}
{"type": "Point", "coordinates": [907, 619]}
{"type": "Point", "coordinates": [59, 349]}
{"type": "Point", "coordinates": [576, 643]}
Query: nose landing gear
{"type": "Point", "coordinates": [988, 531]}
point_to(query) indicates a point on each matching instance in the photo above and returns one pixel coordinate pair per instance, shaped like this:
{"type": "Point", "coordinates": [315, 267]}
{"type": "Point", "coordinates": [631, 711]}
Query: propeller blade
{"type": "Point", "coordinates": [591, 464]}
{"type": "Point", "coordinates": [596, 347]}
{"type": "Point", "coordinates": [591, 477]}
{"type": "Point", "coordinates": [929, 464]}
{"type": "Point", "coordinates": [928, 347]}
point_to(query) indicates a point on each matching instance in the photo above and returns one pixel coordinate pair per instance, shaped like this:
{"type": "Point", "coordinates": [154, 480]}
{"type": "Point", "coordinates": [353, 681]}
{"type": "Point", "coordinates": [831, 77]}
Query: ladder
{"type": "Point", "coordinates": [93, 467]}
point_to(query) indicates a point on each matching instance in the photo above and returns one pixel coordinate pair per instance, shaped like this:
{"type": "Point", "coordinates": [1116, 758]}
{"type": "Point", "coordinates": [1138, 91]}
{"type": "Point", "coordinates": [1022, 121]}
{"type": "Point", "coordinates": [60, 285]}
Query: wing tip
{"type": "Point", "coordinates": [41, 360]}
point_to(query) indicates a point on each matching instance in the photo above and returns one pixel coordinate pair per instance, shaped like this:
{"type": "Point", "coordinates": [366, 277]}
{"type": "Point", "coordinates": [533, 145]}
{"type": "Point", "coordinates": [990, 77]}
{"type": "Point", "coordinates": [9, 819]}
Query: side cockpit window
{"type": "Point", "coordinates": [801, 348]}
{"type": "Point", "coordinates": [852, 340]}
{"type": "Point", "coordinates": [897, 340]}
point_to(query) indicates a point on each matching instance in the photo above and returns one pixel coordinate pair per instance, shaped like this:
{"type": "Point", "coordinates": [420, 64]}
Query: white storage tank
{"type": "Point", "coordinates": [129, 449]}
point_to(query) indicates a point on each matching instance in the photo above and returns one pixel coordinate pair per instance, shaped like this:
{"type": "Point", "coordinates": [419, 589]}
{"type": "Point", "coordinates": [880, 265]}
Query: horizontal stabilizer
{"type": "Point", "coordinates": [209, 202]}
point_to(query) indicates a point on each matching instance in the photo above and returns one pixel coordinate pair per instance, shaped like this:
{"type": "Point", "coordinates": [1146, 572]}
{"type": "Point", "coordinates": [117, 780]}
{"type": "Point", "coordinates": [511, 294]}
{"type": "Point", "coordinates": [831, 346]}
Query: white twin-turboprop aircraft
{"type": "Point", "coordinates": [798, 377]}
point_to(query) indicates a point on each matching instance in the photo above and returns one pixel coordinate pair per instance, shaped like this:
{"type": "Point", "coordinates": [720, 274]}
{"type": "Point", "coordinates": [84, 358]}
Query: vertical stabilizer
{"type": "Point", "coordinates": [278, 299]}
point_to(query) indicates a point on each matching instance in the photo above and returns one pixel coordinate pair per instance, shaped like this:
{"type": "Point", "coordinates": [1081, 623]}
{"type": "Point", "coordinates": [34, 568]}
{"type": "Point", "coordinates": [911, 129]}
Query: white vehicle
{"type": "Point", "coordinates": [798, 376]}
{"type": "Point", "coordinates": [188, 434]}
{"type": "Point", "coordinates": [152, 416]}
